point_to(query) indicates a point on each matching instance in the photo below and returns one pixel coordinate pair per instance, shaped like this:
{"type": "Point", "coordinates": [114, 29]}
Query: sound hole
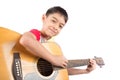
{"type": "Point", "coordinates": [44, 67]}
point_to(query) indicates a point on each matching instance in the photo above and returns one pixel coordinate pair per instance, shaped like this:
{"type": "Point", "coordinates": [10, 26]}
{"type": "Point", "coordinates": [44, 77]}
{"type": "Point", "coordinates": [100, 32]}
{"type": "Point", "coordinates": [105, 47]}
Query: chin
{"type": "Point", "coordinates": [51, 35]}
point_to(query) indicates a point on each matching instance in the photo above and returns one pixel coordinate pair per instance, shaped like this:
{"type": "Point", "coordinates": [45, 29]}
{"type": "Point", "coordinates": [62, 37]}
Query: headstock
{"type": "Point", "coordinates": [99, 61]}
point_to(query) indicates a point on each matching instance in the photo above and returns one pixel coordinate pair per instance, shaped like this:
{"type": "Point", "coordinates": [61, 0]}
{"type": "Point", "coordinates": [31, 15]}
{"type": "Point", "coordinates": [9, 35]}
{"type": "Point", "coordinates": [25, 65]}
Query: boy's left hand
{"type": "Point", "coordinates": [91, 66]}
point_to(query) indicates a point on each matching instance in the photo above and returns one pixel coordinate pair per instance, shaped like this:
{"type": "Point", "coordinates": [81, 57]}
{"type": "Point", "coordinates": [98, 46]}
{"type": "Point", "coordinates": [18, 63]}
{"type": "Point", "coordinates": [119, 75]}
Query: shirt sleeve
{"type": "Point", "coordinates": [36, 33]}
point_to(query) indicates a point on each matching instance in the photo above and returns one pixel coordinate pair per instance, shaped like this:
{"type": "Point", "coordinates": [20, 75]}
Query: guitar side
{"type": "Point", "coordinates": [6, 36]}
{"type": "Point", "coordinates": [9, 45]}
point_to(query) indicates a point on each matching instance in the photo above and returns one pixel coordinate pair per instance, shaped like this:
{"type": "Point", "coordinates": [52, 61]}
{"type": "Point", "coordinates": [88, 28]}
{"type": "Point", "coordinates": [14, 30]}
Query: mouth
{"type": "Point", "coordinates": [52, 31]}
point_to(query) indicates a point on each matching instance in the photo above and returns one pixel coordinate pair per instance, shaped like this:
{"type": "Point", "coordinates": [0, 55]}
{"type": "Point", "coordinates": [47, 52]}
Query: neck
{"type": "Point", "coordinates": [45, 36]}
{"type": "Point", "coordinates": [74, 63]}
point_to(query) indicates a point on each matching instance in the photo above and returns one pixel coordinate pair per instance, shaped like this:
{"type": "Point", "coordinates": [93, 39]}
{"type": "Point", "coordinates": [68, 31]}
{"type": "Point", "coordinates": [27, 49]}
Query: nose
{"type": "Point", "coordinates": [56, 27]}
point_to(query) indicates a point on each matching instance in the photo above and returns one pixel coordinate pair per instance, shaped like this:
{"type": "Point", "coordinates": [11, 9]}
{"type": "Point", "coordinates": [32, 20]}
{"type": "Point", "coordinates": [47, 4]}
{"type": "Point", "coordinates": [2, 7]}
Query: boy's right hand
{"type": "Point", "coordinates": [59, 61]}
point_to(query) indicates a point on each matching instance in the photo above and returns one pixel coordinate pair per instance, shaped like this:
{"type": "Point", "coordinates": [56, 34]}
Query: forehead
{"type": "Point", "coordinates": [58, 17]}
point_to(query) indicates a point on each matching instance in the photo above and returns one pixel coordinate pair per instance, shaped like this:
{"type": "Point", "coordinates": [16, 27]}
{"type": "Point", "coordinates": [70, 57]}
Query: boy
{"type": "Point", "coordinates": [53, 22]}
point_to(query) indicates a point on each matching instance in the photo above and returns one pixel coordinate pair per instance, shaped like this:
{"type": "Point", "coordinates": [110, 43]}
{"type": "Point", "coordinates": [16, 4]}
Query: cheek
{"type": "Point", "coordinates": [58, 31]}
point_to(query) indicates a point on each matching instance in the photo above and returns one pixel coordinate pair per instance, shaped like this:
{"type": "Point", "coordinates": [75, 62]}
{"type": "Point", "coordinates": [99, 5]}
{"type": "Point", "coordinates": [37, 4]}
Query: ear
{"type": "Point", "coordinates": [43, 17]}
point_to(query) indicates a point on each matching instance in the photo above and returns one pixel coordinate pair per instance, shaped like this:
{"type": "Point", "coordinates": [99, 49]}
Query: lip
{"type": "Point", "coordinates": [52, 31]}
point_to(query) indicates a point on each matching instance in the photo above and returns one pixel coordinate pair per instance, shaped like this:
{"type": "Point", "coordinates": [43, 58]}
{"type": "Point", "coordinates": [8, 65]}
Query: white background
{"type": "Point", "coordinates": [92, 30]}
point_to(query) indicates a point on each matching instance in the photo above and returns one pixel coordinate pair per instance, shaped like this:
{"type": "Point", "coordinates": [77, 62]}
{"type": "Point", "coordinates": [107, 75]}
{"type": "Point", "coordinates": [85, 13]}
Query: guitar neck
{"type": "Point", "coordinates": [74, 63]}
{"type": "Point", "coordinates": [77, 63]}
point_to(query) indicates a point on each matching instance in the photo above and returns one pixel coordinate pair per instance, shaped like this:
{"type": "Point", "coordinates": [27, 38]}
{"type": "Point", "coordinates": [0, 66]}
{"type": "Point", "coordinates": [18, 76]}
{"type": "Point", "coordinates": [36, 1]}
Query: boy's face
{"type": "Point", "coordinates": [52, 24]}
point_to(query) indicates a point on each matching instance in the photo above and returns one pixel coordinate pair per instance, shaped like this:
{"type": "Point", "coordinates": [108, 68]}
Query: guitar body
{"type": "Point", "coordinates": [31, 66]}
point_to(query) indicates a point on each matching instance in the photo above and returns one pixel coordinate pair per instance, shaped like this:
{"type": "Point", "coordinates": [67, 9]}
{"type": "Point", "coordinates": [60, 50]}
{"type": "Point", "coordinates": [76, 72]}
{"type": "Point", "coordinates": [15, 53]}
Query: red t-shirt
{"type": "Point", "coordinates": [37, 33]}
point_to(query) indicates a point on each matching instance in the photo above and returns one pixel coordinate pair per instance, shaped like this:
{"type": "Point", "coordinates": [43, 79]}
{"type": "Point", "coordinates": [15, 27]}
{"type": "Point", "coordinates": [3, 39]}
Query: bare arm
{"type": "Point", "coordinates": [73, 71]}
{"type": "Point", "coordinates": [28, 40]}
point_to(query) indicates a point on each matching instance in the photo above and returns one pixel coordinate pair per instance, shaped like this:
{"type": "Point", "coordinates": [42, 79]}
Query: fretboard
{"type": "Point", "coordinates": [74, 63]}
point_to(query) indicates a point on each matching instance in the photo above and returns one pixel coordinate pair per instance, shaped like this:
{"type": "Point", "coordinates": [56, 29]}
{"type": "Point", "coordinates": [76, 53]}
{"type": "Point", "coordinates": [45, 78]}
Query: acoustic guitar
{"type": "Point", "coordinates": [16, 63]}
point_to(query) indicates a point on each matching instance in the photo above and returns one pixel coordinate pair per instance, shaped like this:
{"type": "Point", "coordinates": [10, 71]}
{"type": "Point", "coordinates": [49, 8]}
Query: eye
{"type": "Point", "coordinates": [61, 26]}
{"type": "Point", "coordinates": [54, 21]}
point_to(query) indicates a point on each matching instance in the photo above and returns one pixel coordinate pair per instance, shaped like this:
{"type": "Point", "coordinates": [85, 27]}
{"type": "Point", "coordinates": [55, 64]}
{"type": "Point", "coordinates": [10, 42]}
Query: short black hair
{"type": "Point", "coordinates": [57, 9]}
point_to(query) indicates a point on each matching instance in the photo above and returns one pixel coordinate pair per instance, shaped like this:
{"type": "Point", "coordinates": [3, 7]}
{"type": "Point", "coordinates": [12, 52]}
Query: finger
{"type": "Point", "coordinates": [66, 61]}
{"type": "Point", "coordinates": [64, 65]}
{"type": "Point", "coordinates": [92, 61]}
